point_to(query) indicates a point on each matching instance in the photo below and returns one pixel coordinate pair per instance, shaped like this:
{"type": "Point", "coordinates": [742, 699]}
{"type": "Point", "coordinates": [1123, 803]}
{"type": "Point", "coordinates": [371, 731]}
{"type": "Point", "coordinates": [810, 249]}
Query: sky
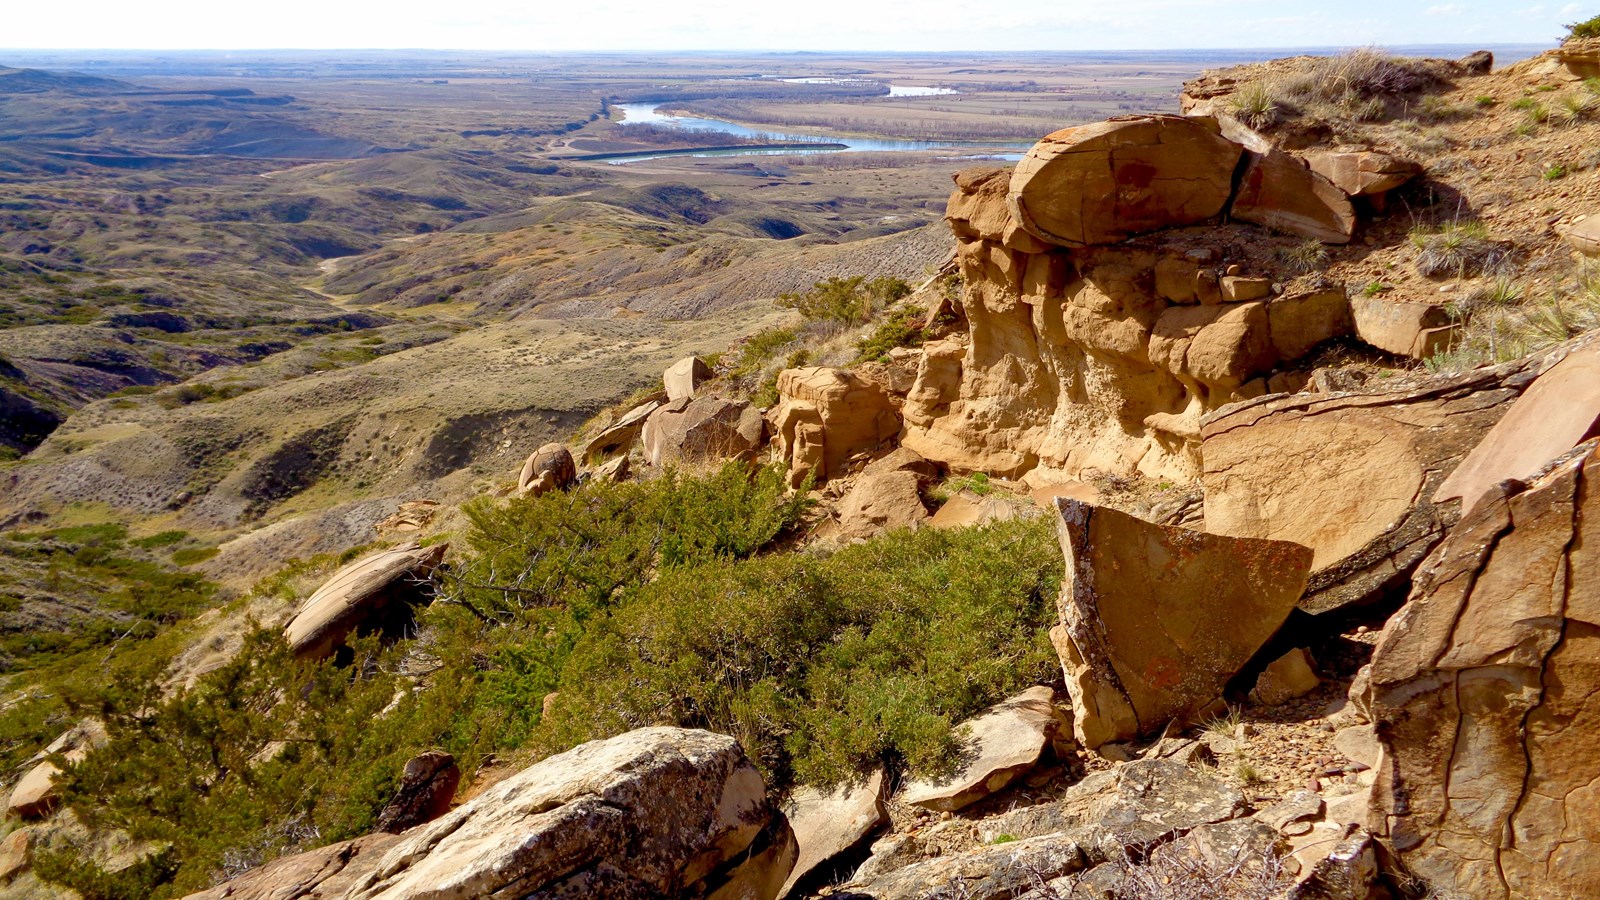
{"type": "Point", "coordinates": [883, 25]}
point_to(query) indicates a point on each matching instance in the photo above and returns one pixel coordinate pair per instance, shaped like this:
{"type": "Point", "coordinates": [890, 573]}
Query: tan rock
{"type": "Point", "coordinates": [1584, 236]}
{"type": "Point", "coordinates": [706, 429]}
{"type": "Point", "coordinates": [879, 502]}
{"type": "Point", "coordinates": [1285, 678]}
{"type": "Point", "coordinates": [1482, 692]}
{"type": "Point", "coordinates": [14, 854]}
{"type": "Point", "coordinates": [903, 459]}
{"type": "Point", "coordinates": [977, 210]}
{"type": "Point", "coordinates": [1103, 183]}
{"type": "Point", "coordinates": [1156, 619]}
{"type": "Point", "coordinates": [1239, 288]}
{"type": "Point", "coordinates": [374, 591]}
{"type": "Point", "coordinates": [1359, 744]}
{"type": "Point", "coordinates": [684, 377]}
{"type": "Point", "coordinates": [550, 468]}
{"type": "Point", "coordinates": [1401, 327]}
{"type": "Point", "coordinates": [1301, 321]}
{"type": "Point", "coordinates": [966, 509]}
{"type": "Point", "coordinates": [619, 436]}
{"type": "Point", "coordinates": [1219, 346]}
{"type": "Point", "coordinates": [1175, 279]}
{"type": "Point", "coordinates": [1279, 192]}
{"type": "Point", "coordinates": [1003, 742]}
{"type": "Point", "coordinates": [412, 516]}
{"type": "Point", "coordinates": [1581, 57]}
{"type": "Point", "coordinates": [829, 823]}
{"type": "Point", "coordinates": [35, 796]}
{"type": "Point", "coordinates": [615, 469]}
{"type": "Point", "coordinates": [1557, 412]}
{"type": "Point", "coordinates": [1350, 475]}
{"type": "Point", "coordinates": [322, 874]}
{"type": "Point", "coordinates": [825, 416]}
{"type": "Point", "coordinates": [1362, 172]}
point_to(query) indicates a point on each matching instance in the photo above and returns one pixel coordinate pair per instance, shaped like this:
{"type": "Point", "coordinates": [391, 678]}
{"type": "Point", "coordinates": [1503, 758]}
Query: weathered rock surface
{"type": "Point", "coordinates": [706, 429]}
{"type": "Point", "coordinates": [829, 823]}
{"type": "Point", "coordinates": [618, 437]}
{"type": "Point", "coordinates": [879, 502]}
{"type": "Point", "coordinates": [14, 854]}
{"type": "Point", "coordinates": [825, 416]}
{"type": "Point", "coordinates": [1105, 182]}
{"type": "Point", "coordinates": [1351, 476]}
{"type": "Point", "coordinates": [977, 211]}
{"type": "Point", "coordinates": [374, 591]}
{"type": "Point", "coordinates": [1556, 413]}
{"type": "Point", "coordinates": [549, 468]}
{"type": "Point", "coordinates": [657, 812]}
{"type": "Point", "coordinates": [684, 377]}
{"type": "Point", "coordinates": [1301, 321]}
{"type": "Point", "coordinates": [35, 795]}
{"type": "Point", "coordinates": [1584, 236]}
{"type": "Point", "coordinates": [427, 785]}
{"type": "Point", "coordinates": [1279, 192]}
{"type": "Point", "coordinates": [1156, 619]}
{"type": "Point", "coordinates": [1285, 678]}
{"type": "Point", "coordinates": [1000, 872]}
{"type": "Point", "coordinates": [1402, 327]}
{"type": "Point", "coordinates": [1362, 172]}
{"type": "Point", "coordinates": [1005, 741]}
{"type": "Point", "coordinates": [412, 516]}
{"type": "Point", "coordinates": [966, 509]}
{"type": "Point", "coordinates": [1483, 692]}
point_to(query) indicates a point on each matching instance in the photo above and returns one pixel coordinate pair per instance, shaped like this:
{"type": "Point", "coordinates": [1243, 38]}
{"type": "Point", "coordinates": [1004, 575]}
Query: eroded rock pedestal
{"type": "Point", "coordinates": [1485, 690]}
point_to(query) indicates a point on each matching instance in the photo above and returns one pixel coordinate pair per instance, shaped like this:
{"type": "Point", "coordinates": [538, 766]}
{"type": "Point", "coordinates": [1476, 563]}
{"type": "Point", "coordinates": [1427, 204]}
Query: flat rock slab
{"type": "Point", "coordinates": [1003, 742]}
{"type": "Point", "coordinates": [1277, 191]}
{"type": "Point", "coordinates": [1156, 619]}
{"type": "Point", "coordinates": [1001, 872]}
{"type": "Point", "coordinates": [828, 823]}
{"type": "Point", "coordinates": [356, 593]}
{"type": "Point", "coordinates": [321, 874]}
{"type": "Point", "coordinates": [1557, 412]}
{"type": "Point", "coordinates": [966, 509]}
{"type": "Point", "coordinates": [684, 377]}
{"type": "Point", "coordinates": [1105, 182]}
{"type": "Point", "coordinates": [619, 436]}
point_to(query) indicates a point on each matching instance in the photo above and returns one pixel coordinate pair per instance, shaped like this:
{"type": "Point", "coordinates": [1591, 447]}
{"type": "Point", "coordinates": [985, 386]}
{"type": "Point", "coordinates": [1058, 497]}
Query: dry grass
{"type": "Point", "coordinates": [1499, 325]}
{"type": "Point", "coordinates": [1459, 249]}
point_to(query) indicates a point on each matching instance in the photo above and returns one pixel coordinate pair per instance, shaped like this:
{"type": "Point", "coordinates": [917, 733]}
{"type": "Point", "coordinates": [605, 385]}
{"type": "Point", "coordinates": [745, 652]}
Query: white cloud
{"type": "Point", "coordinates": [1444, 9]}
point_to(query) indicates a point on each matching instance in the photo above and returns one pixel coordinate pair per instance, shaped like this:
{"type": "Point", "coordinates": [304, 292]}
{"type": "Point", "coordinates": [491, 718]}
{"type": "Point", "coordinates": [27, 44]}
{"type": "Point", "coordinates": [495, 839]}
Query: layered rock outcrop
{"type": "Point", "coordinates": [1484, 692]}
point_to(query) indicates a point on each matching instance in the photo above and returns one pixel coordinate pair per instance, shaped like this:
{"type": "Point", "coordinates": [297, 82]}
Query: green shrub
{"type": "Point", "coordinates": [901, 328]}
{"type": "Point", "coordinates": [162, 539]}
{"type": "Point", "coordinates": [824, 666]}
{"type": "Point", "coordinates": [846, 301]}
{"type": "Point", "coordinates": [1588, 28]}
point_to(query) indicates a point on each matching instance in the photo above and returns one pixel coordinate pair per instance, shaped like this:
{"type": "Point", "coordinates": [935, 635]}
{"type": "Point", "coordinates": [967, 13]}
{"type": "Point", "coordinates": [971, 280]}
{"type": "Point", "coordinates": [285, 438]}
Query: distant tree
{"type": "Point", "coordinates": [1586, 29]}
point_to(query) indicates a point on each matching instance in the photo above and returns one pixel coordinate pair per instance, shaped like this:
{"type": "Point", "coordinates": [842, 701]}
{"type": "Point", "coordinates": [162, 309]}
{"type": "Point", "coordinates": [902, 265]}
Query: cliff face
{"type": "Point", "coordinates": [1099, 333]}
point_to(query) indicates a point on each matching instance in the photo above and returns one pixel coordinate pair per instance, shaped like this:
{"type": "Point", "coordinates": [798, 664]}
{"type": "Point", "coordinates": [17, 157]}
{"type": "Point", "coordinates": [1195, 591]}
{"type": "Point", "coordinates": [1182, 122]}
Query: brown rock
{"type": "Point", "coordinates": [321, 874]}
{"type": "Point", "coordinates": [966, 509]}
{"type": "Point", "coordinates": [1558, 411]}
{"type": "Point", "coordinates": [825, 416]}
{"type": "Point", "coordinates": [1005, 741]}
{"type": "Point", "coordinates": [1285, 678]}
{"type": "Point", "coordinates": [34, 796]}
{"type": "Point", "coordinates": [1103, 183]}
{"type": "Point", "coordinates": [879, 502]}
{"type": "Point", "coordinates": [829, 823]}
{"type": "Point", "coordinates": [1482, 692]}
{"type": "Point", "coordinates": [1219, 346]}
{"type": "Point", "coordinates": [1362, 172]}
{"type": "Point", "coordinates": [619, 436]}
{"type": "Point", "coordinates": [706, 429]}
{"type": "Point", "coordinates": [1580, 56]}
{"type": "Point", "coordinates": [1156, 619]}
{"type": "Point", "coordinates": [1584, 236]}
{"type": "Point", "coordinates": [1175, 279]}
{"type": "Point", "coordinates": [977, 210]}
{"type": "Point", "coordinates": [14, 854]}
{"type": "Point", "coordinates": [1350, 475]}
{"type": "Point", "coordinates": [1301, 321]}
{"type": "Point", "coordinates": [427, 785]}
{"type": "Point", "coordinates": [683, 378]}
{"type": "Point", "coordinates": [1400, 327]}
{"type": "Point", "coordinates": [1239, 289]}
{"type": "Point", "coordinates": [375, 591]}
{"type": "Point", "coordinates": [1279, 192]}
{"type": "Point", "coordinates": [550, 468]}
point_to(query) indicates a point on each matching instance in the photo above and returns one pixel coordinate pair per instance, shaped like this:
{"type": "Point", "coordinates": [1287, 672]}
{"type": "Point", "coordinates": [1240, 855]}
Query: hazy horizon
{"type": "Point", "coordinates": [821, 26]}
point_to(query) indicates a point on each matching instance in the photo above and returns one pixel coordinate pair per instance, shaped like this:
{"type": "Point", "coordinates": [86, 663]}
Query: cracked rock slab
{"type": "Point", "coordinates": [1485, 694]}
{"type": "Point", "coordinates": [1003, 742]}
{"type": "Point", "coordinates": [1155, 619]}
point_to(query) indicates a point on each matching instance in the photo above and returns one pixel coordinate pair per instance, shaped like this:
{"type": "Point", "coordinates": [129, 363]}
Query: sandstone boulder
{"type": "Point", "coordinates": [977, 210]}
{"type": "Point", "coordinates": [1105, 182]}
{"type": "Point", "coordinates": [825, 416]}
{"type": "Point", "coordinates": [1362, 172]}
{"type": "Point", "coordinates": [1402, 327]}
{"type": "Point", "coordinates": [656, 812]}
{"type": "Point", "coordinates": [1285, 678]}
{"type": "Point", "coordinates": [14, 854]}
{"type": "Point", "coordinates": [1482, 689]}
{"type": "Point", "coordinates": [374, 592]}
{"type": "Point", "coordinates": [34, 796]}
{"type": "Point", "coordinates": [1279, 192]}
{"type": "Point", "coordinates": [684, 377]}
{"type": "Point", "coordinates": [829, 823]}
{"type": "Point", "coordinates": [879, 502]}
{"type": "Point", "coordinates": [1351, 476]}
{"type": "Point", "coordinates": [1005, 741]}
{"type": "Point", "coordinates": [1218, 346]}
{"type": "Point", "coordinates": [550, 468]}
{"type": "Point", "coordinates": [1584, 236]}
{"type": "Point", "coordinates": [619, 436]}
{"type": "Point", "coordinates": [966, 509]}
{"type": "Point", "coordinates": [1156, 619]}
{"type": "Point", "coordinates": [706, 429]}
{"type": "Point", "coordinates": [427, 785]}
{"type": "Point", "coordinates": [1557, 412]}
{"type": "Point", "coordinates": [1301, 321]}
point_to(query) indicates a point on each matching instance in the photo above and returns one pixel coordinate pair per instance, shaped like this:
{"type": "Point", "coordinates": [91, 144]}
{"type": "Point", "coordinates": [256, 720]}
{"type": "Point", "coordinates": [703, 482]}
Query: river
{"type": "Point", "coordinates": [646, 113]}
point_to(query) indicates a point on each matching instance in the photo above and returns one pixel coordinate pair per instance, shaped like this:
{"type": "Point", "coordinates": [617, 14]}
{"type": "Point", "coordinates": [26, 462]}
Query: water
{"type": "Point", "coordinates": [895, 90]}
{"type": "Point", "coordinates": [647, 113]}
